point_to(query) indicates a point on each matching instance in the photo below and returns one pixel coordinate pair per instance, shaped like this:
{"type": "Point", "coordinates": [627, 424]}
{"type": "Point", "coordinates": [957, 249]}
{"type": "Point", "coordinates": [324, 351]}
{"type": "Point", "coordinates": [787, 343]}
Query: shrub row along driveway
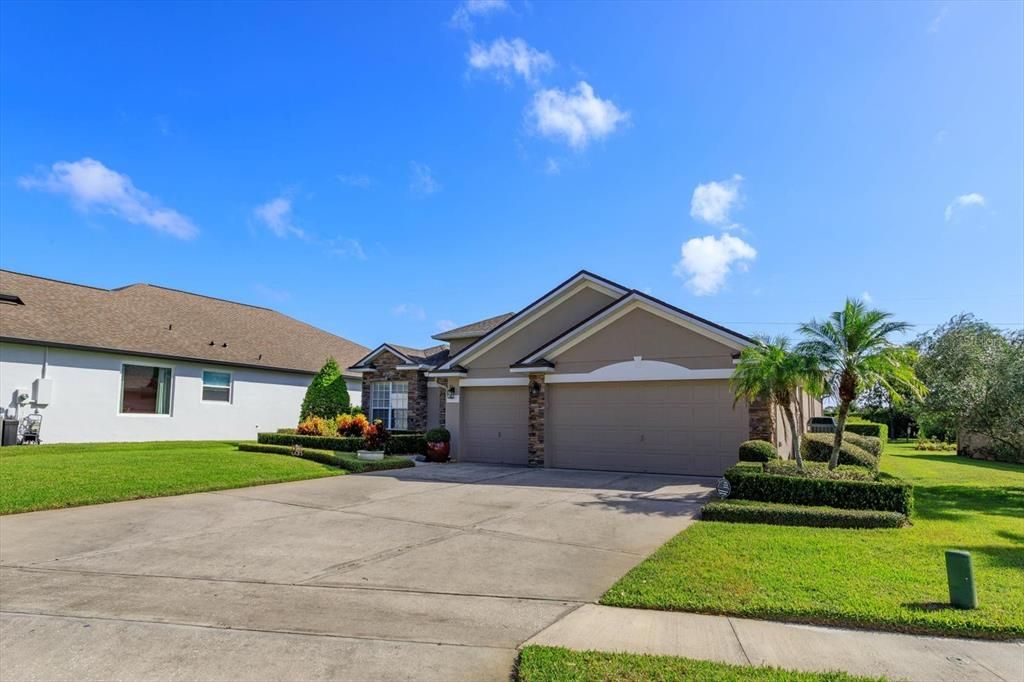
{"type": "Point", "coordinates": [429, 573]}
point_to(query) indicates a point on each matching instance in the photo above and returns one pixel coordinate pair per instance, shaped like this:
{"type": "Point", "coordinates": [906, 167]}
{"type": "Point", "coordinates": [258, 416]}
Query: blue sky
{"type": "Point", "coordinates": [383, 171]}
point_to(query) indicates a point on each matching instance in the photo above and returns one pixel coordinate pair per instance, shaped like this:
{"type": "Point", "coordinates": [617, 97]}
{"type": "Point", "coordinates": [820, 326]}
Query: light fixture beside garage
{"type": "Point", "coordinates": [451, 393]}
{"type": "Point", "coordinates": [534, 389]}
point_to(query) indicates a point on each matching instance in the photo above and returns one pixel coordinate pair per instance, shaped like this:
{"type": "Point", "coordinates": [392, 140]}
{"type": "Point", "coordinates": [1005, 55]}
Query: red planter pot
{"type": "Point", "coordinates": [438, 452]}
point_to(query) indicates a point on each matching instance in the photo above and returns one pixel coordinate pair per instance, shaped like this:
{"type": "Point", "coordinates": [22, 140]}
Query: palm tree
{"type": "Point", "coordinates": [853, 349]}
{"type": "Point", "coordinates": [774, 372]}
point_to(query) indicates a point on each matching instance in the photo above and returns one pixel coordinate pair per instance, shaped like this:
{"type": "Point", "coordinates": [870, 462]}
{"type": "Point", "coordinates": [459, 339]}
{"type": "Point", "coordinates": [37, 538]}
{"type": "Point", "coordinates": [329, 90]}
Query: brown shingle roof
{"type": "Point", "coordinates": [146, 319]}
{"type": "Point", "coordinates": [475, 329]}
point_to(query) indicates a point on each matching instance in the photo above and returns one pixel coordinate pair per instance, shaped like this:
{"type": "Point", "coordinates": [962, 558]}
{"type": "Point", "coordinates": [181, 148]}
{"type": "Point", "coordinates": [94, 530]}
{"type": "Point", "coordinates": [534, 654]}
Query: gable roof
{"type": "Point", "coordinates": [474, 329]}
{"type": "Point", "coordinates": [540, 357]}
{"type": "Point", "coordinates": [145, 319]}
{"type": "Point", "coordinates": [420, 357]}
{"type": "Point", "coordinates": [518, 320]}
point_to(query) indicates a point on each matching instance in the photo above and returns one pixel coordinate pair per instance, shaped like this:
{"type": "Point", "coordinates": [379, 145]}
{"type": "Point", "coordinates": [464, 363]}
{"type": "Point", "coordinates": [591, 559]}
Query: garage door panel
{"type": "Point", "coordinates": [495, 424]}
{"type": "Point", "coordinates": [685, 427]}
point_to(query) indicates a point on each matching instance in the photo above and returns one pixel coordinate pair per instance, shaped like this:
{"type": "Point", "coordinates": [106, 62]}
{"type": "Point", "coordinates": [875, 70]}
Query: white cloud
{"type": "Point", "coordinates": [93, 186]}
{"type": "Point", "coordinates": [552, 167]}
{"type": "Point", "coordinates": [346, 247]}
{"type": "Point", "coordinates": [468, 9]}
{"type": "Point", "coordinates": [936, 23]}
{"type": "Point", "coordinates": [504, 57]}
{"type": "Point", "coordinates": [360, 180]}
{"type": "Point", "coordinates": [963, 201]}
{"type": "Point", "coordinates": [714, 201]}
{"type": "Point", "coordinates": [578, 116]}
{"type": "Point", "coordinates": [409, 310]}
{"type": "Point", "coordinates": [423, 182]}
{"type": "Point", "coordinates": [707, 261]}
{"type": "Point", "coordinates": [445, 325]}
{"type": "Point", "coordinates": [276, 214]}
{"type": "Point", "coordinates": [867, 297]}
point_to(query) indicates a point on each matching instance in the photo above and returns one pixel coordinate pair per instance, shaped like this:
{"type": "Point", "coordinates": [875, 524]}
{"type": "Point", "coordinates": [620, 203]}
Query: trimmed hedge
{"type": "Point", "coordinates": [879, 431]}
{"type": "Point", "coordinates": [848, 472]}
{"type": "Point", "coordinates": [885, 494]}
{"type": "Point", "coordinates": [339, 444]}
{"type": "Point", "coordinates": [749, 511]}
{"type": "Point", "coordinates": [345, 460]}
{"type": "Point", "coordinates": [359, 466]}
{"type": "Point", "coordinates": [817, 447]}
{"type": "Point", "coordinates": [870, 443]}
{"type": "Point", "coordinates": [757, 451]}
{"type": "Point", "coordinates": [322, 456]}
{"type": "Point", "coordinates": [405, 444]}
{"type": "Point", "coordinates": [411, 444]}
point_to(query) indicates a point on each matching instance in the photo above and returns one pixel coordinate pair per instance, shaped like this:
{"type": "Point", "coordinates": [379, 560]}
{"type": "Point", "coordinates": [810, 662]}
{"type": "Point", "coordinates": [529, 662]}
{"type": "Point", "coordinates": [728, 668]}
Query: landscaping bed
{"type": "Point", "coordinates": [344, 460]}
{"type": "Point", "coordinates": [397, 444]}
{"type": "Point", "coordinates": [884, 579]}
{"type": "Point", "coordinates": [67, 475]}
{"type": "Point", "coordinates": [555, 664]}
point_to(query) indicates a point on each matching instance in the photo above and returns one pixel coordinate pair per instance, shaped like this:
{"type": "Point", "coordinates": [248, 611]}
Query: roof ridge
{"type": "Point", "coordinates": [192, 293]}
{"type": "Point", "coordinates": [54, 279]}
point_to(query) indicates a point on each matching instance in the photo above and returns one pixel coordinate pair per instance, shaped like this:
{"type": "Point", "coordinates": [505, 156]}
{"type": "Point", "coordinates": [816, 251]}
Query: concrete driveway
{"type": "Point", "coordinates": [437, 572]}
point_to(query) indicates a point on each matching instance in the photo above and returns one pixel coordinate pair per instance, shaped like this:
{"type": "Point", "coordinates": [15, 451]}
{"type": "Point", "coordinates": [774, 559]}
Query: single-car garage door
{"type": "Point", "coordinates": [495, 424]}
{"type": "Point", "coordinates": [673, 427]}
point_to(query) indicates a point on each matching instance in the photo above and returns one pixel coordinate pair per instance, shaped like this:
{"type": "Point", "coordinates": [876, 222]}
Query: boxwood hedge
{"type": "Point", "coordinates": [402, 444]}
{"type": "Point", "coordinates": [879, 431]}
{"type": "Point", "coordinates": [817, 447]}
{"type": "Point", "coordinates": [750, 511]}
{"type": "Point", "coordinates": [757, 451]}
{"type": "Point", "coordinates": [885, 494]}
{"type": "Point", "coordinates": [345, 460]}
{"type": "Point", "coordinates": [869, 443]}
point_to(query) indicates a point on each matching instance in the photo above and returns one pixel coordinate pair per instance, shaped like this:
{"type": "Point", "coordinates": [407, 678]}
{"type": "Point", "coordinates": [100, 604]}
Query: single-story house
{"type": "Point", "coordinates": [592, 375]}
{"type": "Point", "coordinates": [143, 362]}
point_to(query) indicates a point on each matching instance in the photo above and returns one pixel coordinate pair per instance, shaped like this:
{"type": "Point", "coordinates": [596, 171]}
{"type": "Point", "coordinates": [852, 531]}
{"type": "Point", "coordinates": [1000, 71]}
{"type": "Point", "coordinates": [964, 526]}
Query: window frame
{"type": "Point", "coordinates": [389, 409]}
{"type": "Point", "coordinates": [145, 362]}
{"type": "Point", "coordinates": [203, 386]}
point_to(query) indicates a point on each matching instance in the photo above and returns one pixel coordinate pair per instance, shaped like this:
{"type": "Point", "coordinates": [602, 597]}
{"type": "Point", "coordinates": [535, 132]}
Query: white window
{"type": "Point", "coordinates": [145, 389]}
{"type": "Point", "coordinates": [217, 387]}
{"type": "Point", "coordinates": [389, 402]}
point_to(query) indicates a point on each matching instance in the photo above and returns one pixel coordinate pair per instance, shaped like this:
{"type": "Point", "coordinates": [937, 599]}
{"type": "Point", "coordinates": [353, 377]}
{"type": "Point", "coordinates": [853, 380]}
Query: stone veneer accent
{"type": "Point", "coordinates": [535, 446]}
{"type": "Point", "coordinates": [442, 411]}
{"type": "Point", "coordinates": [385, 368]}
{"type": "Point", "coordinates": [761, 420]}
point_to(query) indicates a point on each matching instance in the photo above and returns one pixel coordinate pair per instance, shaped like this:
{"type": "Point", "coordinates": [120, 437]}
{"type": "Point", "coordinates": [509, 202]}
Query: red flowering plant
{"type": "Point", "coordinates": [376, 436]}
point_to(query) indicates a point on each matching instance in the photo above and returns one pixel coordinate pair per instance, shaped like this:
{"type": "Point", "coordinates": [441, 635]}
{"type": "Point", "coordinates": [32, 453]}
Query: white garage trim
{"type": "Point", "coordinates": [516, 381]}
{"type": "Point", "coordinates": [639, 370]}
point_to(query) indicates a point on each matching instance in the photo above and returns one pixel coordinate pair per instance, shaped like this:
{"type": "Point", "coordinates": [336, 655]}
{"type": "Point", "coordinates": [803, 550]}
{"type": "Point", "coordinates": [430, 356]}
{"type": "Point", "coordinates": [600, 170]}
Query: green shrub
{"type": "Point", "coordinates": [879, 431]}
{"type": "Point", "coordinates": [885, 494]}
{"type": "Point", "coordinates": [757, 451]}
{"type": "Point", "coordinates": [749, 511]}
{"type": "Point", "coordinates": [441, 435]}
{"type": "Point", "coordinates": [817, 447]}
{"type": "Point", "coordinates": [870, 443]}
{"type": "Point", "coordinates": [358, 466]}
{"type": "Point", "coordinates": [843, 472]}
{"type": "Point", "coordinates": [286, 431]}
{"type": "Point", "coordinates": [322, 456]}
{"type": "Point", "coordinates": [339, 444]}
{"type": "Point", "coordinates": [327, 395]}
{"type": "Point", "coordinates": [346, 460]}
{"type": "Point", "coordinates": [412, 444]}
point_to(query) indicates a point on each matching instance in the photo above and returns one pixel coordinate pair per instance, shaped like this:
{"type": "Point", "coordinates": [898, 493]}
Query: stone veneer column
{"type": "Point", "coordinates": [385, 368]}
{"type": "Point", "coordinates": [535, 447]}
{"type": "Point", "coordinates": [442, 406]}
{"type": "Point", "coordinates": [761, 421]}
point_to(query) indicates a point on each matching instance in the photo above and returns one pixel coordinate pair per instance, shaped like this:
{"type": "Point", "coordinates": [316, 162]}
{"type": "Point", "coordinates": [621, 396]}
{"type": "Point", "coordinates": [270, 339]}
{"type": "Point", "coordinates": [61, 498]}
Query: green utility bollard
{"type": "Point", "coordinates": [960, 573]}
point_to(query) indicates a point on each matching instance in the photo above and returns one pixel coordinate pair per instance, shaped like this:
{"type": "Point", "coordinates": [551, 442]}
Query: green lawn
{"type": "Point", "coordinates": [50, 476]}
{"type": "Point", "coordinates": [880, 579]}
{"type": "Point", "coordinates": [553, 664]}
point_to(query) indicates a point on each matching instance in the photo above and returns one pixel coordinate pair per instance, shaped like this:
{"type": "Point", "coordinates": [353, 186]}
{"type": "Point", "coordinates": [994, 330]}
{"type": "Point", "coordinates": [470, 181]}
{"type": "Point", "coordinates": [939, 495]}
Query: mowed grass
{"type": "Point", "coordinates": [879, 579]}
{"type": "Point", "coordinates": [554, 664]}
{"type": "Point", "coordinates": [51, 476]}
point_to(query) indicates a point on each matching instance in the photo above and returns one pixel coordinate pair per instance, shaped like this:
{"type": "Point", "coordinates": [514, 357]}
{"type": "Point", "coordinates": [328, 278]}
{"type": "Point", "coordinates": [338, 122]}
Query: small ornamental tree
{"type": "Point", "coordinates": [327, 395]}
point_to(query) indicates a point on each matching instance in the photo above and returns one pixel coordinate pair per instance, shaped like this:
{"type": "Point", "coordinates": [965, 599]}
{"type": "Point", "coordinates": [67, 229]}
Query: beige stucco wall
{"type": "Point", "coordinates": [810, 407]}
{"type": "Point", "coordinates": [642, 333]}
{"type": "Point", "coordinates": [456, 345]}
{"type": "Point", "coordinates": [579, 306]}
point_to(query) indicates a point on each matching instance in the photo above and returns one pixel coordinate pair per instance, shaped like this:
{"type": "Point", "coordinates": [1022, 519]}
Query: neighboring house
{"type": "Point", "coordinates": [144, 362]}
{"type": "Point", "coordinates": [590, 376]}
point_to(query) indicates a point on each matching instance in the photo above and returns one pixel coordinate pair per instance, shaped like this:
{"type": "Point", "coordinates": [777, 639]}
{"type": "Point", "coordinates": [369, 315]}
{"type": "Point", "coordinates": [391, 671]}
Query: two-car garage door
{"type": "Point", "coordinates": [681, 427]}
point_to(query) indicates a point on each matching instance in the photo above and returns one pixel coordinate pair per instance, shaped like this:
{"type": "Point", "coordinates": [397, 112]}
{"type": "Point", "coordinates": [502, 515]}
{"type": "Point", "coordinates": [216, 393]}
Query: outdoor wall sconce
{"type": "Point", "coordinates": [451, 392]}
{"type": "Point", "coordinates": [534, 389]}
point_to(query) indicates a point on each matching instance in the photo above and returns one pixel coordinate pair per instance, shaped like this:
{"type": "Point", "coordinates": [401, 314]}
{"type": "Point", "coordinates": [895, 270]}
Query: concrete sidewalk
{"type": "Point", "coordinates": [789, 646]}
